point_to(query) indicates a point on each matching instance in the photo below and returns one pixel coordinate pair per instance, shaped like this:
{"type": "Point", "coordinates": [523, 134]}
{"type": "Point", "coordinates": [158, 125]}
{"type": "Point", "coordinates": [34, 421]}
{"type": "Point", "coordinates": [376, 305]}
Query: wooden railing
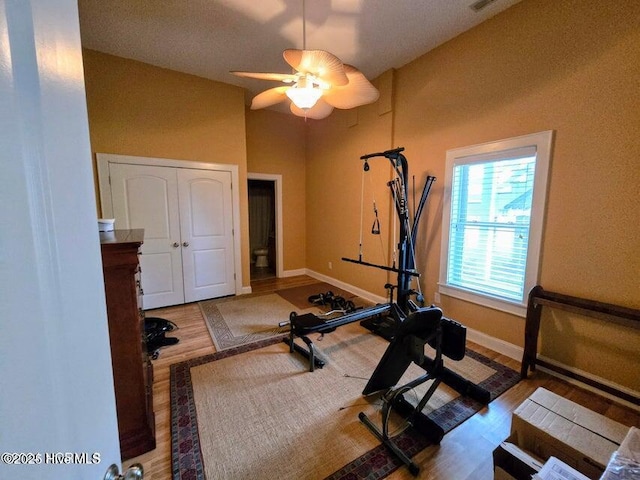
{"type": "Point", "coordinates": [539, 297]}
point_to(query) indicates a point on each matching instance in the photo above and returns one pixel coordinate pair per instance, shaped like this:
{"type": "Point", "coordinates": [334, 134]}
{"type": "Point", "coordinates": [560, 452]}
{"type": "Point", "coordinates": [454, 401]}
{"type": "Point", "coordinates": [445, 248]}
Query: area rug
{"type": "Point", "coordinates": [255, 411]}
{"type": "Point", "coordinates": [299, 296]}
{"type": "Point", "coordinates": [236, 321]}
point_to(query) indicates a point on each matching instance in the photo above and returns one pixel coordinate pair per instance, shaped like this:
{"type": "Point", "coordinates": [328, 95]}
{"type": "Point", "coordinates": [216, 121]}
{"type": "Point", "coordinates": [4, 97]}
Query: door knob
{"type": "Point", "coordinates": [134, 472]}
{"type": "Point", "coordinates": [176, 244]}
{"type": "Point", "coordinates": [185, 244]}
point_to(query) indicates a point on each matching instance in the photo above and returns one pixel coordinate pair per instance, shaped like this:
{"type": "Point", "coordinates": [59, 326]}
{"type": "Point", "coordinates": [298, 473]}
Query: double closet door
{"type": "Point", "coordinates": [186, 214]}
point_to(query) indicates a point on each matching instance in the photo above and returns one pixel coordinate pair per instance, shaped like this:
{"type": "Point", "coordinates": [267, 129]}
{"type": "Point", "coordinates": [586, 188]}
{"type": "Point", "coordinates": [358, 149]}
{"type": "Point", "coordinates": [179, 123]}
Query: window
{"type": "Point", "coordinates": [492, 221]}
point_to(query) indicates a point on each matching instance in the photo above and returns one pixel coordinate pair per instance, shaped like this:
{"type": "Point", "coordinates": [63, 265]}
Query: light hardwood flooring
{"type": "Point", "coordinates": [465, 453]}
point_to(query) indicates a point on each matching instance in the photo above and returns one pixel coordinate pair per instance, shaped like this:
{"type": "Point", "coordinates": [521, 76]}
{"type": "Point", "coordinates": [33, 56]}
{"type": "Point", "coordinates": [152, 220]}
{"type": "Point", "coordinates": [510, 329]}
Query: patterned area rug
{"type": "Point", "coordinates": [254, 411]}
{"type": "Point", "coordinates": [236, 321]}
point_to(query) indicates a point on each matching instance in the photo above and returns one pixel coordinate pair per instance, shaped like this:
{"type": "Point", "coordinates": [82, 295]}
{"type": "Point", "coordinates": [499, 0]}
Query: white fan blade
{"type": "Point", "coordinates": [320, 110]}
{"type": "Point", "coordinates": [269, 97]}
{"type": "Point", "coordinates": [359, 91]}
{"type": "Point", "coordinates": [324, 65]}
{"type": "Point", "coordinates": [280, 77]}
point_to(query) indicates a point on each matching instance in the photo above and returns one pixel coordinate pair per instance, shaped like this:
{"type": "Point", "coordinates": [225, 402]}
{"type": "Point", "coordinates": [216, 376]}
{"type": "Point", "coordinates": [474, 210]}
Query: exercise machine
{"type": "Point", "coordinates": [408, 325]}
{"type": "Point", "coordinates": [385, 319]}
{"type": "Point", "coordinates": [425, 326]}
{"type": "Point", "coordinates": [421, 327]}
{"type": "Point", "coordinates": [403, 263]}
{"type": "Point", "coordinates": [304, 325]}
{"type": "Point", "coordinates": [382, 319]}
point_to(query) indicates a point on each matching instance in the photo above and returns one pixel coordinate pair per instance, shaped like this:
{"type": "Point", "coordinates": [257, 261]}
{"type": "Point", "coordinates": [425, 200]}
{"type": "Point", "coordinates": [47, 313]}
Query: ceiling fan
{"type": "Point", "coordinates": [320, 83]}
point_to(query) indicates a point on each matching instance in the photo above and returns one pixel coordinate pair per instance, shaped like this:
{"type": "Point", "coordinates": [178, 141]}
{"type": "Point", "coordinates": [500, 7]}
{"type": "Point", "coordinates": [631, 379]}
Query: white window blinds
{"type": "Point", "coordinates": [495, 195]}
{"type": "Point", "coordinates": [491, 199]}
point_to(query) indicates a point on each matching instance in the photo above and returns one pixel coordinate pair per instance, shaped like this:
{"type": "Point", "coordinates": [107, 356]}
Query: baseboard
{"type": "Point", "coordinates": [245, 290]}
{"type": "Point", "coordinates": [504, 348]}
{"type": "Point", "coordinates": [293, 273]}
{"type": "Point", "coordinates": [348, 287]}
{"type": "Point", "coordinates": [594, 378]}
{"type": "Point", "coordinates": [515, 352]}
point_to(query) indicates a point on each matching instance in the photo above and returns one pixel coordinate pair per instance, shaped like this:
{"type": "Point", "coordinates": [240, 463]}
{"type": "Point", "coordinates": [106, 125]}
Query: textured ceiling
{"type": "Point", "coordinates": [209, 38]}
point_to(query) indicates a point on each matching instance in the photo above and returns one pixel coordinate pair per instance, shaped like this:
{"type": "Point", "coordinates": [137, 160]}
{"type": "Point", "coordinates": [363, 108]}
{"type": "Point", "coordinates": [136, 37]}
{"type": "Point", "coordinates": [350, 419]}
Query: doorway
{"type": "Point", "coordinates": [262, 228]}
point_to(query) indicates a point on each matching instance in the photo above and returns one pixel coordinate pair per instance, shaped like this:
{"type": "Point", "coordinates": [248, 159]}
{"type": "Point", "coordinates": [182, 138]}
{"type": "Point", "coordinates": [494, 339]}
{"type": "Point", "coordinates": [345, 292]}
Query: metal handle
{"type": "Point", "coordinates": [134, 472]}
{"type": "Point", "coordinates": [176, 244]}
{"type": "Point", "coordinates": [185, 244]}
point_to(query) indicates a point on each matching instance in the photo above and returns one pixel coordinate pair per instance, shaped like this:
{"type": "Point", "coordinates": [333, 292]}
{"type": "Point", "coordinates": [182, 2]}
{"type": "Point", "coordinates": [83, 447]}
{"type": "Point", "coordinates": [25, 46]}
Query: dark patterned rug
{"type": "Point", "coordinates": [187, 462]}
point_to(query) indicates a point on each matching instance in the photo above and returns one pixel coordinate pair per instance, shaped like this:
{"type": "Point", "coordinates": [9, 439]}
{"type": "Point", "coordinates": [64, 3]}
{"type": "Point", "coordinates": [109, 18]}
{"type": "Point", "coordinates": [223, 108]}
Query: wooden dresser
{"type": "Point", "coordinates": [132, 369]}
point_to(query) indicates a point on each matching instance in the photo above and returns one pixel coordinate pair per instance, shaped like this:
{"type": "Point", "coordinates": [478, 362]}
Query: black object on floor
{"type": "Point", "coordinates": [155, 330]}
{"type": "Point", "coordinates": [155, 325]}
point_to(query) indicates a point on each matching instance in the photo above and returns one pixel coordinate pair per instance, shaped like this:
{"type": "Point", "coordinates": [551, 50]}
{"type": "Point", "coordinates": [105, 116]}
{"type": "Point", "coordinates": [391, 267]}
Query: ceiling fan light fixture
{"type": "Point", "coordinates": [304, 94]}
{"type": "Point", "coordinates": [320, 83]}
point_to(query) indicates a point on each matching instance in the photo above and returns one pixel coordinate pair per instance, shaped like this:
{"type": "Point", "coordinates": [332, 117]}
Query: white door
{"type": "Point", "coordinates": [57, 381]}
{"type": "Point", "coordinates": [206, 233]}
{"type": "Point", "coordinates": [147, 197]}
{"type": "Point", "coordinates": [187, 216]}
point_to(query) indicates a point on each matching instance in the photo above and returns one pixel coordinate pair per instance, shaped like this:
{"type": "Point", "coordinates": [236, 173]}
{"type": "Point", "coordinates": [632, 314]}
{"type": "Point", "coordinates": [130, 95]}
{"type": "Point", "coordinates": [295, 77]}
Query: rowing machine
{"type": "Point", "coordinates": [308, 323]}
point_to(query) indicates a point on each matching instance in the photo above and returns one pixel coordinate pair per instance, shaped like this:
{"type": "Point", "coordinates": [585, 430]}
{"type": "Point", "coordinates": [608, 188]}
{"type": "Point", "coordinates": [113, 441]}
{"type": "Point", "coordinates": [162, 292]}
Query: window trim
{"type": "Point", "coordinates": [543, 142]}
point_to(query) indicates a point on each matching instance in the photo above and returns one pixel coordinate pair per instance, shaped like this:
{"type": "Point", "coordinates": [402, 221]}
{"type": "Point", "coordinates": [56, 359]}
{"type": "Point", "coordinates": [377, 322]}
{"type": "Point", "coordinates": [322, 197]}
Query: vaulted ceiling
{"type": "Point", "coordinates": [209, 38]}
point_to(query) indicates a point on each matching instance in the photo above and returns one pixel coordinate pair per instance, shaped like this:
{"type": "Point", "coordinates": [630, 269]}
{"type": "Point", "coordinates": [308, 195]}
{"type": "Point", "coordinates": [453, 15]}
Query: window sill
{"type": "Point", "coordinates": [513, 308]}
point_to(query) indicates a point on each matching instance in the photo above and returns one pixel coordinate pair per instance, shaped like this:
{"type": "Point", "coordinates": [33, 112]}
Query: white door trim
{"type": "Point", "coordinates": [277, 179]}
{"type": "Point", "coordinates": [103, 160]}
{"type": "Point", "coordinates": [57, 380]}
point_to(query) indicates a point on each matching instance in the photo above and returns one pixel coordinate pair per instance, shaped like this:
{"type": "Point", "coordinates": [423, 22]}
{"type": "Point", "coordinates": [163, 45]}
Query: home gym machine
{"type": "Point", "coordinates": [407, 325]}
{"type": "Point", "coordinates": [405, 265]}
{"type": "Point", "coordinates": [384, 318]}
{"type": "Point", "coordinates": [421, 327]}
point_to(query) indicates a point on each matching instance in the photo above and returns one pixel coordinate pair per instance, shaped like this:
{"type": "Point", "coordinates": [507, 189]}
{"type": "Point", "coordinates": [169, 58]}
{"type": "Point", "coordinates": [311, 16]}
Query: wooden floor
{"type": "Point", "coordinates": [465, 453]}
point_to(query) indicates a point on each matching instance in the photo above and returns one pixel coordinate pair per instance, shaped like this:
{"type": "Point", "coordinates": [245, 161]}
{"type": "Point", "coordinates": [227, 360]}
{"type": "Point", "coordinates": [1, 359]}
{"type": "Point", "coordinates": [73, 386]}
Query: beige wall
{"type": "Point", "coordinates": [138, 109]}
{"type": "Point", "coordinates": [570, 66]}
{"type": "Point", "coordinates": [573, 67]}
{"type": "Point", "coordinates": [276, 145]}
{"type": "Point", "coordinates": [334, 179]}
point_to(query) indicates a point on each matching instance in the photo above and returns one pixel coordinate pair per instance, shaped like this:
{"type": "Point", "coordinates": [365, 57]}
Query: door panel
{"type": "Point", "coordinates": [207, 233]}
{"type": "Point", "coordinates": [206, 203]}
{"type": "Point", "coordinates": [147, 203]}
{"type": "Point", "coordinates": [157, 284]}
{"type": "Point", "coordinates": [146, 197]}
{"type": "Point", "coordinates": [210, 267]}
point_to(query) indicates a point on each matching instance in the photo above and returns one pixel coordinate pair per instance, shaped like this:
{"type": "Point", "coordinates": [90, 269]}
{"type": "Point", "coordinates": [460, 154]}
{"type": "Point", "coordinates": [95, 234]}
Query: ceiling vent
{"type": "Point", "coordinates": [480, 5]}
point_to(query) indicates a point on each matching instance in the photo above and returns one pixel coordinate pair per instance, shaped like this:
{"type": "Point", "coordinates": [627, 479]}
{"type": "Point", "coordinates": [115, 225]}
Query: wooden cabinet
{"type": "Point", "coordinates": [132, 369]}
